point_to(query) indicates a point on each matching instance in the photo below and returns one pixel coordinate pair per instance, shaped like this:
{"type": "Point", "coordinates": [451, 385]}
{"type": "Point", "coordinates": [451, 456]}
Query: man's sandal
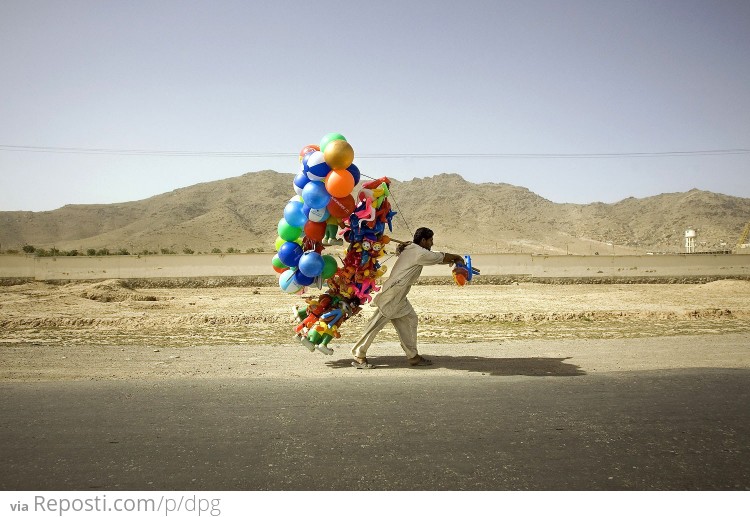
{"type": "Point", "coordinates": [364, 365]}
{"type": "Point", "coordinates": [419, 361]}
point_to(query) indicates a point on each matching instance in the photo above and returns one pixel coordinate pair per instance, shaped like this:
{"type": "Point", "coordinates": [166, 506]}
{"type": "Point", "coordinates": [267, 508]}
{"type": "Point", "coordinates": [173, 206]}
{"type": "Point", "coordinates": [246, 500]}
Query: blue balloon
{"type": "Point", "coordinates": [300, 180]}
{"type": "Point", "coordinates": [305, 165]}
{"type": "Point", "coordinates": [287, 282]}
{"type": "Point", "coordinates": [354, 170]}
{"type": "Point", "coordinates": [293, 214]}
{"type": "Point", "coordinates": [290, 253]}
{"type": "Point", "coordinates": [311, 264]}
{"type": "Point", "coordinates": [318, 169]}
{"type": "Point", "coordinates": [316, 215]}
{"type": "Point", "coordinates": [315, 195]}
{"type": "Point", "coordinates": [303, 280]}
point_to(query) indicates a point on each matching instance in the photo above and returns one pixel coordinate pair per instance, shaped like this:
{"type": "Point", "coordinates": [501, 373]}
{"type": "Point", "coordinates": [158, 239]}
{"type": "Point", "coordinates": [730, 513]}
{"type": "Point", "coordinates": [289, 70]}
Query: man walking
{"type": "Point", "coordinates": [393, 306]}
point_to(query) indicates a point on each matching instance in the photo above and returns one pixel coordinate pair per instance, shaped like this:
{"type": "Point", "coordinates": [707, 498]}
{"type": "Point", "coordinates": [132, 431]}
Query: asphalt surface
{"type": "Point", "coordinates": [553, 430]}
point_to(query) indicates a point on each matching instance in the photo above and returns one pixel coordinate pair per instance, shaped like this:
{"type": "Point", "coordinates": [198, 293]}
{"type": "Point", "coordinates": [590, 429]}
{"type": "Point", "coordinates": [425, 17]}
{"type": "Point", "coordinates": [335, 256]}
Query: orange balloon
{"type": "Point", "coordinates": [339, 154]}
{"type": "Point", "coordinates": [339, 183]}
{"type": "Point", "coordinates": [341, 207]}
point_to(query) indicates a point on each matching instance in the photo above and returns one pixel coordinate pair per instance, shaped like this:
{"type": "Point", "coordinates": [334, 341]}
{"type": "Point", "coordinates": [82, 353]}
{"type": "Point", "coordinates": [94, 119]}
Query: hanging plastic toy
{"type": "Point", "coordinates": [464, 274]}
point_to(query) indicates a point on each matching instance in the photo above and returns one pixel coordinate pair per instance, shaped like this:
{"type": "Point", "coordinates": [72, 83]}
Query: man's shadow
{"type": "Point", "coordinates": [506, 366]}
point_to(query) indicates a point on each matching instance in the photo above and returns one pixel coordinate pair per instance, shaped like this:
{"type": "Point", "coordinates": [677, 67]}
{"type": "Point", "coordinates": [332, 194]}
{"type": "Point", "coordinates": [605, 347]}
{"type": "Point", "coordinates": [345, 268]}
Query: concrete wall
{"type": "Point", "coordinates": [191, 266]}
{"type": "Point", "coordinates": [133, 266]}
{"type": "Point", "coordinates": [575, 266]}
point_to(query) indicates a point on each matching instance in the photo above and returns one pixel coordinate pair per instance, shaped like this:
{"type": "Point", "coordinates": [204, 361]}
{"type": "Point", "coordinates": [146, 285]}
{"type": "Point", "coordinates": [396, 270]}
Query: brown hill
{"type": "Point", "coordinates": [242, 213]}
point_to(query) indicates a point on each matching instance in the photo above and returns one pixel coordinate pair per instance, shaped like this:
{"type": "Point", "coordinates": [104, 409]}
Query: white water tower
{"type": "Point", "coordinates": [690, 236]}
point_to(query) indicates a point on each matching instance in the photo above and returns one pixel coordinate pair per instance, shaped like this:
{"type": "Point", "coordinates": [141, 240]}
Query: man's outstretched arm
{"type": "Point", "coordinates": [452, 258]}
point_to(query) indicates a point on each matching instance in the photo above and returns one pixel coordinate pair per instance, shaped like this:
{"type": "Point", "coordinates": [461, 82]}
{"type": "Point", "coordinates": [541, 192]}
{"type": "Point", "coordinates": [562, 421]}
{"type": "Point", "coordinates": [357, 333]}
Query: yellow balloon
{"type": "Point", "coordinates": [280, 242]}
{"type": "Point", "coordinates": [339, 154]}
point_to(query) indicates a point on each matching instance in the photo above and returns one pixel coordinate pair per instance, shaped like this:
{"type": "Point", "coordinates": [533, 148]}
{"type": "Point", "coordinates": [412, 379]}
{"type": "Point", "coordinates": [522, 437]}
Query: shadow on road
{"type": "Point", "coordinates": [529, 366]}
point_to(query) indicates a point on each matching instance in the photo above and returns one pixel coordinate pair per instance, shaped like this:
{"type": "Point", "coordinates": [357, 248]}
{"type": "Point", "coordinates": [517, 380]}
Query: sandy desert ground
{"type": "Point", "coordinates": [108, 330]}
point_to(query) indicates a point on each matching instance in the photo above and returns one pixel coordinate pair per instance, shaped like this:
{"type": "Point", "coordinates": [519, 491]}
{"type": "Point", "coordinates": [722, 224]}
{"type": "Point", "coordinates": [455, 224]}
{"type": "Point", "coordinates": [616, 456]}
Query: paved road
{"type": "Point", "coordinates": [563, 429]}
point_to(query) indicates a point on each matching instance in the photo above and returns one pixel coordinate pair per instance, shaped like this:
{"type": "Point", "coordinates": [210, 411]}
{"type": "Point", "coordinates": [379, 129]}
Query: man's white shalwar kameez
{"type": "Point", "coordinates": [392, 304]}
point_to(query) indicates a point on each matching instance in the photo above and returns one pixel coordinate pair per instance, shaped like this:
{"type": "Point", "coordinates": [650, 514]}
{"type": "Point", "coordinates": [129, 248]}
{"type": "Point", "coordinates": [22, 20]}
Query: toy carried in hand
{"type": "Point", "coordinates": [463, 274]}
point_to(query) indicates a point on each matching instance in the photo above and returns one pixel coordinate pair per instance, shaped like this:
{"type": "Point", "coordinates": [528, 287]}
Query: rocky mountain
{"type": "Point", "coordinates": [242, 213]}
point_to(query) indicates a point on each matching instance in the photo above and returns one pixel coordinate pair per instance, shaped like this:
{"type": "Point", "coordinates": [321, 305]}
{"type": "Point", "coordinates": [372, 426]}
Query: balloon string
{"type": "Point", "coordinates": [395, 203]}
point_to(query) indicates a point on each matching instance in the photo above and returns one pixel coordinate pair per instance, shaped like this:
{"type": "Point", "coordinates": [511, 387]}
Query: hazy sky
{"type": "Point", "coordinates": [398, 78]}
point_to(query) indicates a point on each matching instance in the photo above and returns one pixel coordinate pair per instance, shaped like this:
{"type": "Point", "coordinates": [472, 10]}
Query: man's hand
{"type": "Point", "coordinates": [452, 258]}
{"type": "Point", "coordinates": [402, 246]}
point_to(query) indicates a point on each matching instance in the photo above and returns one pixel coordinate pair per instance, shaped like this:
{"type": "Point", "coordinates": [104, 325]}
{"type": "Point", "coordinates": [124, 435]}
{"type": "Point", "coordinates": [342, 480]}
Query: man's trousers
{"type": "Point", "coordinates": [406, 326]}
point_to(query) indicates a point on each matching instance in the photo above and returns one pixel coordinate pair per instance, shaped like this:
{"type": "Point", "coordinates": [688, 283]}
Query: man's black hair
{"type": "Point", "coordinates": [422, 233]}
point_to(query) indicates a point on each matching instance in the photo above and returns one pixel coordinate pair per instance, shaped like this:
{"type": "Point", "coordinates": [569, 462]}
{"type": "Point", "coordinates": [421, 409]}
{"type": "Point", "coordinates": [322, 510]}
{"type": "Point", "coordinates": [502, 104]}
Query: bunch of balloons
{"type": "Point", "coordinates": [323, 185]}
{"type": "Point", "coordinates": [324, 212]}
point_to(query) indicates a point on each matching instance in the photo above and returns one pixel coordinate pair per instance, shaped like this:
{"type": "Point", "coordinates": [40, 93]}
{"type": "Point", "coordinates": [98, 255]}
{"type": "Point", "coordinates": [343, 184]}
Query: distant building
{"type": "Point", "coordinates": [690, 236]}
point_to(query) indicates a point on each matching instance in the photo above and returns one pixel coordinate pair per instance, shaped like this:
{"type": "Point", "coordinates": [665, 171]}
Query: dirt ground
{"type": "Point", "coordinates": [107, 330]}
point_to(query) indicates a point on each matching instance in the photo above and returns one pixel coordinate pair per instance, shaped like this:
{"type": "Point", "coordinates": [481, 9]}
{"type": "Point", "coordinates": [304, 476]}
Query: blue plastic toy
{"type": "Point", "coordinates": [463, 274]}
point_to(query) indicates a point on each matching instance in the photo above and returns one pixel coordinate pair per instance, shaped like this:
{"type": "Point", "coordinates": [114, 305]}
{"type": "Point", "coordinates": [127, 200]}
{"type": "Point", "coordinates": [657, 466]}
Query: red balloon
{"type": "Point", "coordinates": [341, 207]}
{"type": "Point", "coordinates": [307, 150]}
{"type": "Point", "coordinates": [315, 231]}
{"type": "Point", "coordinates": [279, 269]}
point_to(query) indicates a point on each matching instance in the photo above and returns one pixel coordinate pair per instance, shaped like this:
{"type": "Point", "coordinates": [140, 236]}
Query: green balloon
{"type": "Point", "coordinates": [288, 232]}
{"type": "Point", "coordinates": [330, 137]}
{"type": "Point", "coordinates": [279, 243]}
{"type": "Point", "coordinates": [330, 266]}
{"type": "Point", "coordinates": [276, 261]}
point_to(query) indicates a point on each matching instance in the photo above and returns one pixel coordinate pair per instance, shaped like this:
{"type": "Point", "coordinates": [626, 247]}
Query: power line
{"type": "Point", "coordinates": [251, 154]}
{"type": "Point", "coordinates": [140, 152]}
{"type": "Point", "coordinates": [710, 152]}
